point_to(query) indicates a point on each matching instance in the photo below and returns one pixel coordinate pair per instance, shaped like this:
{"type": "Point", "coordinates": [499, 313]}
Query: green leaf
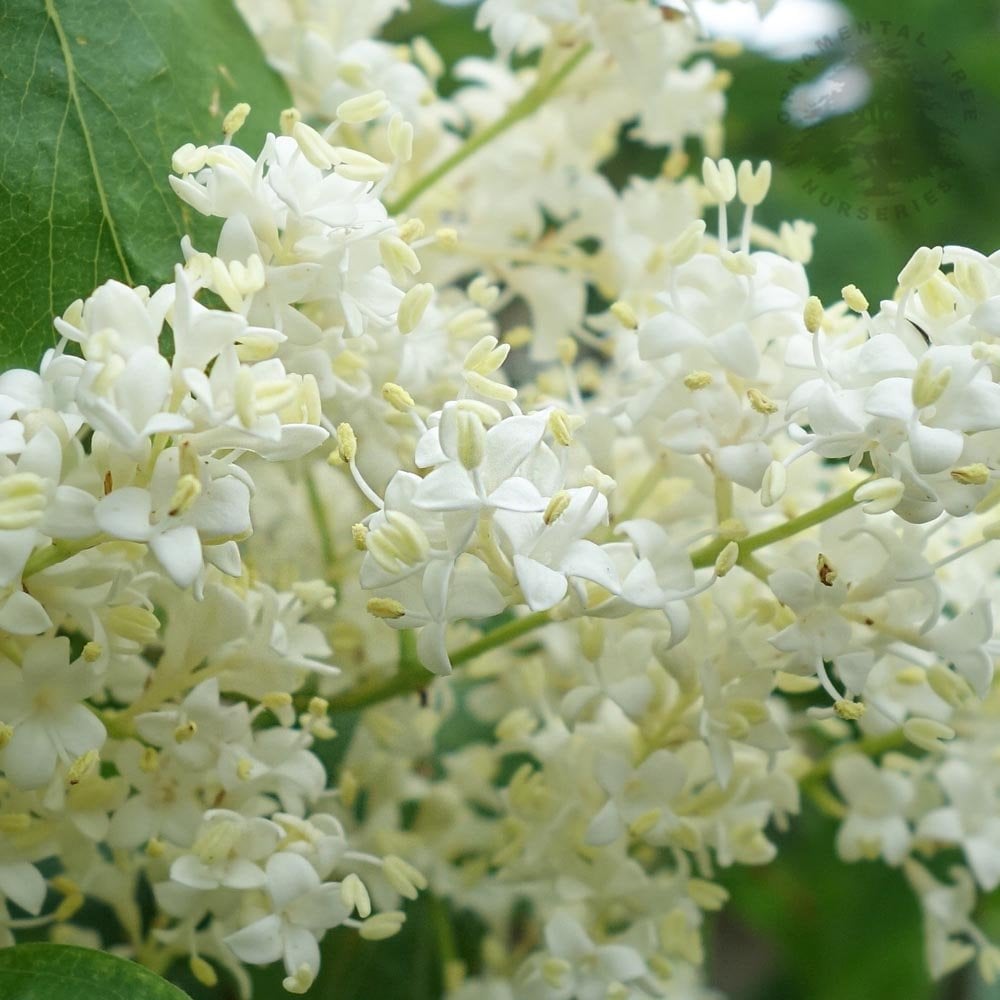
{"type": "Point", "coordinates": [55, 971]}
{"type": "Point", "coordinates": [95, 96]}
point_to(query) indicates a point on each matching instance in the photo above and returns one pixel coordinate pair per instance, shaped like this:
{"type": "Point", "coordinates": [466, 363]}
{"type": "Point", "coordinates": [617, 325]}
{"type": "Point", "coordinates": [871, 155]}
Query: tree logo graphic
{"type": "Point", "coordinates": [878, 119]}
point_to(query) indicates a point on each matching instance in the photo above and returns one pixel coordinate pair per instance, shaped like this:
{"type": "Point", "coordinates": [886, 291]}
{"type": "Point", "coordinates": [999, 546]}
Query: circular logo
{"type": "Point", "coordinates": [878, 116]}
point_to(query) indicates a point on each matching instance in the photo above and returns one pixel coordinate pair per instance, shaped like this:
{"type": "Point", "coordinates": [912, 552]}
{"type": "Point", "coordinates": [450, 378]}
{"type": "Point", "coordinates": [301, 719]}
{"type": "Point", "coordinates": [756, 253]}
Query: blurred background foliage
{"type": "Point", "coordinates": [806, 926]}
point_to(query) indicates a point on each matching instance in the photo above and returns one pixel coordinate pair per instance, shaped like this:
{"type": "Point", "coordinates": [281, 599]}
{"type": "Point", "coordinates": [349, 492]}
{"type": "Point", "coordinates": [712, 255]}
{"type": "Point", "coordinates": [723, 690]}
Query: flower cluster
{"type": "Point", "coordinates": [447, 435]}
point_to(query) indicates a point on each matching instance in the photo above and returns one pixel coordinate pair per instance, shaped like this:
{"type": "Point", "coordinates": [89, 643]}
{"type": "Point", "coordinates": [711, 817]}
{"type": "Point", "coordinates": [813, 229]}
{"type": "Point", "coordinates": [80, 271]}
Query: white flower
{"type": "Point", "coordinates": [227, 852]}
{"type": "Point", "coordinates": [303, 910]}
{"type": "Point", "coordinates": [877, 802]}
{"type": "Point", "coordinates": [972, 821]}
{"type": "Point", "coordinates": [42, 701]}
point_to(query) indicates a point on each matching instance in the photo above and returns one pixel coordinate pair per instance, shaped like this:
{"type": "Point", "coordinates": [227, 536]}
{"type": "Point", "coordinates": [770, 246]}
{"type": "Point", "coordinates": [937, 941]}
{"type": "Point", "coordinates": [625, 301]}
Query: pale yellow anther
{"type": "Point", "coordinates": [567, 350]}
{"type": "Point", "coordinates": [186, 732]}
{"type": "Point", "coordinates": [347, 442]}
{"type": "Point", "coordinates": [6, 734]}
{"type": "Point", "coordinates": [203, 971]}
{"type": "Point", "coordinates": [753, 185]}
{"type": "Point", "coordinates": [382, 925]}
{"type": "Point", "coordinates": [675, 165]}
{"type": "Point", "coordinates": [288, 119]}
{"type": "Point", "coordinates": [727, 558]}
{"type": "Point", "coordinates": [625, 315]}
{"type": "Point", "coordinates": [698, 380]}
{"type": "Point", "coordinates": [554, 971]}
{"type": "Point", "coordinates": [469, 323]}
{"type": "Point", "coordinates": [739, 262]}
{"type": "Point", "coordinates": [733, 529]}
{"type": "Point", "coordinates": [813, 314]}
{"type": "Point", "coordinates": [399, 257]}
{"type": "Point", "coordinates": [427, 58]}
{"type": "Point", "coordinates": [912, 676]}
{"type": "Point", "coordinates": [557, 506]}
{"type": "Point", "coordinates": [976, 474]}
{"type": "Point", "coordinates": [130, 622]}
{"type": "Point", "coordinates": [643, 824]}
{"type": "Point", "coordinates": [948, 686]}
{"type": "Point", "coordinates": [929, 387]}
{"type": "Point", "coordinates": [300, 981]}
{"type": "Point", "coordinates": [519, 336]}
{"type": "Point", "coordinates": [359, 535]}
{"type": "Point", "coordinates": [364, 108]}
{"type": "Point", "coordinates": [411, 230]}
{"type": "Point", "coordinates": [920, 267]}
{"type": "Point", "coordinates": [84, 766]}
{"type": "Point", "coordinates": [471, 439]}
{"type": "Point", "coordinates": [149, 760]}
{"type": "Point", "coordinates": [188, 159]}
{"type": "Point", "coordinates": [244, 769]}
{"type": "Point", "coordinates": [68, 907]}
{"type": "Point", "coordinates": [354, 895]}
{"type": "Point", "coordinates": [186, 493]}
{"type": "Point", "coordinates": [600, 481]}
{"type": "Point", "coordinates": [447, 238]}
{"type": "Point", "coordinates": [23, 499]}
{"type": "Point", "coordinates": [385, 607]}
{"type": "Point", "coordinates": [400, 136]}
{"type": "Point", "coordinates": [275, 700]}
{"type": "Point", "coordinates": [560, 426]}
{"type": "Point", "coordinates": [482, 292]}
{"type": "Point", "coordinates": [15, 823]}
{"type": "Point", "coordinates": [855, 298]}
{"type": "Point", "coordinates": [687, 244]}
{"type": "Point", "coordinates": [719, 178]}
{"type": "Point", "coordinates": [235, 119]}
{"type": "Point", "coordinates": [155, 848]}
{"type": "Point", "coordinates": [313, 146]}
{"type": "Point", "coordinates": [402, 876]}
{"type": "Point", "coordinates": [880, 495]}
{"type": "Point", "coordinates": [217, 840]}
{"type": "Point", "coordinates": [397, 397]}
{"type": "Point", "coordinates": [92, 651]}
{"type": "Point", "coordinates": [413, 306]}
{"type": "Point", "coordinates": [938, 296]}
{"type": "Point", "coordinates": [850, 711]}
{"type": "Point", "coordinates": [706, 895]}
{"type": "Point", "coordinates": [928, 734]}
{"type": "Point", "coordinates": [760, 402]}
{"type": "Point", "coordinates": [774, 483]}
{"type": "Point", "coordinates": [348, 788]}
{"type": "Point", "coordinates": [353, 165]}
{"type": "Point", "coordinates": [969, 279]}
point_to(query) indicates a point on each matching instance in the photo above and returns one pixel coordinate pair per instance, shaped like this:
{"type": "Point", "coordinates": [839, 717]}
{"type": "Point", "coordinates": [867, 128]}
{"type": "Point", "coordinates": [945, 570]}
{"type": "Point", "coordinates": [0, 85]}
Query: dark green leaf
{"type": "Point", "coordinates": [55, 971]}
{"type": "Point", "coordinates": [95, 95]}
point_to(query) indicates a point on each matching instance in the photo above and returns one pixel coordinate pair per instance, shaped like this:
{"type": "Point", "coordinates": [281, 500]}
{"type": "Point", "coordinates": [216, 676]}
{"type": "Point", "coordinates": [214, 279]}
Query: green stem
{"type": "Point", "coordinates": [322, 526]}
{"type": "Point", "coordinates": [444, 931]}
{"type": "Point", "coordinates": [707, 554]}
{"type": "Point", "coordinates": [521, 109]}
{"type": "Point", "coordinates": [58, 552]}
{"type": "Point", "coordinates": [412, 676]}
